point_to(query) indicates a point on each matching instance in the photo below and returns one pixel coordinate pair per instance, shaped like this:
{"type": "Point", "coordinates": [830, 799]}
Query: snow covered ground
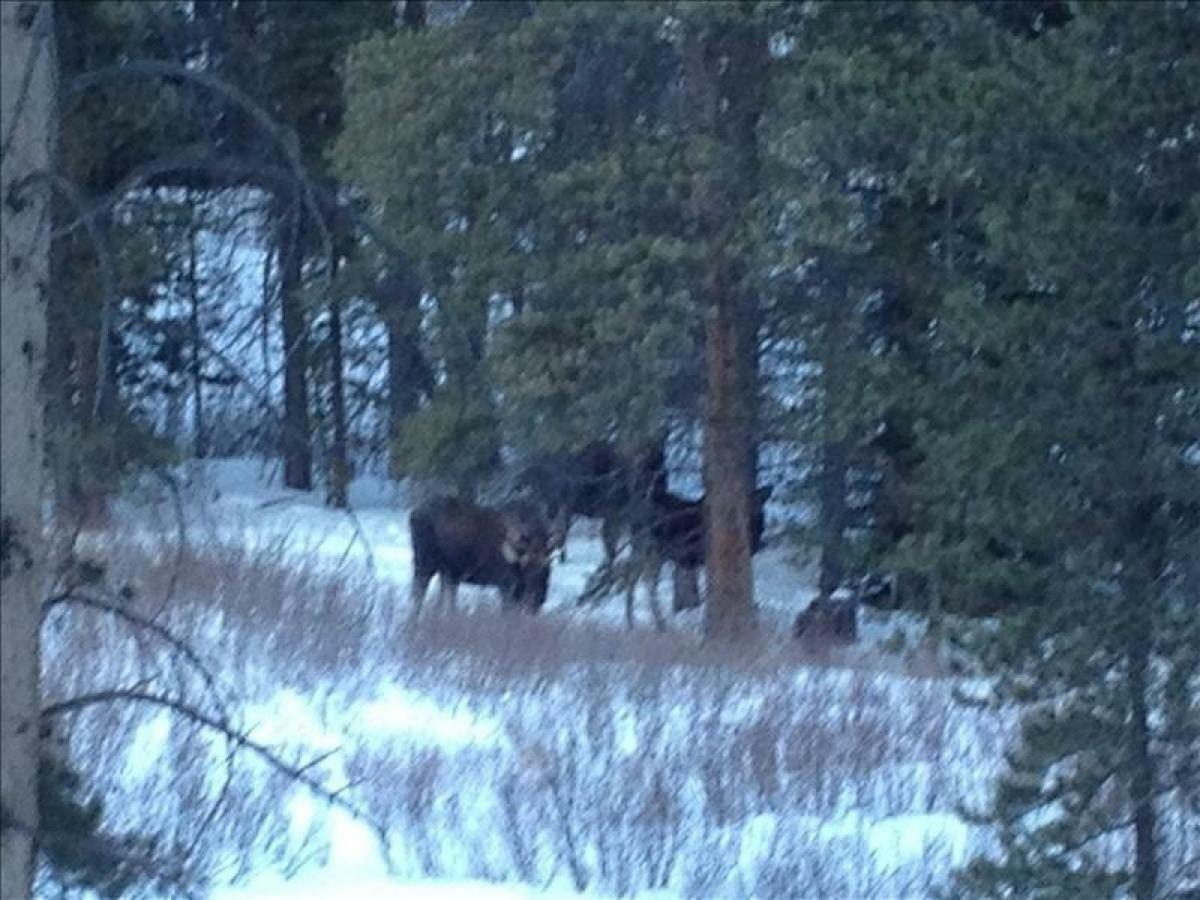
{"type": "Point", "coordinates": [490, 755]}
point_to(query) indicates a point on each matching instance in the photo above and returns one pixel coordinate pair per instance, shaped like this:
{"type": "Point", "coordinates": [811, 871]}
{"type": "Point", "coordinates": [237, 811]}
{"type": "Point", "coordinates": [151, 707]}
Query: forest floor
{"type": "Point", "coordinates": [484, 754]}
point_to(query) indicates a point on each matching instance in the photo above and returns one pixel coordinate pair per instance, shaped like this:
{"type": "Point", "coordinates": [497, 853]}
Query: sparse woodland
{"type": "Point", "coordinates": [885, 317]}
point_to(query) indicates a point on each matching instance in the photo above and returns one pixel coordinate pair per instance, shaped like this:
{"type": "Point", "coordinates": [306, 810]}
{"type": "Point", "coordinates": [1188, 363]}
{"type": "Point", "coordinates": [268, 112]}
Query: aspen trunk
{"type": "Point", "coordinates": [26, 49]}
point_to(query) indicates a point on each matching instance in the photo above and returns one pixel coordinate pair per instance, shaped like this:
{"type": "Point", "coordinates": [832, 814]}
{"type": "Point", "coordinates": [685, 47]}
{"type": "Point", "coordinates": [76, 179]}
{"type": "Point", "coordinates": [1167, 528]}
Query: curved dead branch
{"type": "Point", "coordinates": [295, 773]}
{"type": "Point", "coordinates": [283, 136]}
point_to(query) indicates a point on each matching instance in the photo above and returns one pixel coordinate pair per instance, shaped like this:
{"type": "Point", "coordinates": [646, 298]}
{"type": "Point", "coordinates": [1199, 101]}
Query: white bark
{"type": "Point", "coordinates": [27, 127]}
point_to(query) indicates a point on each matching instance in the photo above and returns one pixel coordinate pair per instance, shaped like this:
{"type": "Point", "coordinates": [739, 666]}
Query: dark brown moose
{"type": "Point", "coordinates": [594, 482]}
{"type": "Point", "coordinates": [459, 541]}
{"type": "Point", "coordinates": [677, 532]}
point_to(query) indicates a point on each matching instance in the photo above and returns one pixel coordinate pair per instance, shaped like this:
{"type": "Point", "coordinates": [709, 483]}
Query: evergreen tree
{"type": "Point", "coordinates": [574, 196]}
{"type": "Point", "coordinates": [1049, 377]}
{"type": "Point", "coordinates": [288, 57]}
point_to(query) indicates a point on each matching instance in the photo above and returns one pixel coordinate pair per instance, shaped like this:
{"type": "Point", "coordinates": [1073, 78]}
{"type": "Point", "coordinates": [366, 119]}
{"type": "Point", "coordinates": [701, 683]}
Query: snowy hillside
{"type": "Point", "coordinates": [493, 755]}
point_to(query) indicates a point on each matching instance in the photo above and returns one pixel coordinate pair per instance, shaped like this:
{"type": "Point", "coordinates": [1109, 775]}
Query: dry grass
{"type": "Point", "coordinates": [628, 761]}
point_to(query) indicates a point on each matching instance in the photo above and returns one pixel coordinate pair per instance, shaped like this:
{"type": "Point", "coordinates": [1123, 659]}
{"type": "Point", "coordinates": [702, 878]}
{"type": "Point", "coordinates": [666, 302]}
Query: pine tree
{"type": "Point", "coordinates": [288, 57]}
{"type": "Point", "coordinates": [1049, 380]}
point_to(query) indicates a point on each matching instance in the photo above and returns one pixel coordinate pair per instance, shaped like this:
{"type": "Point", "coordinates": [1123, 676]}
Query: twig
{"type": "Point", "coordinates": [239, 739]}
{"type": "Point", "coordinates": [159, 631]}
{"type": "Point", "coordinates": [360, 535]}
{"type": "Point", "coordinates": [42, 28]}
{"type": "Point", "coordinates": [284, 137]}
{"type": "Point", "coordinates": [169, 594]}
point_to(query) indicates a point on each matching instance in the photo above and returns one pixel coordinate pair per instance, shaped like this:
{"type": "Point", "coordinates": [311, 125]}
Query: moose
{"type": "Point", "coordinates": [677, 535]}
{"type": "Point", "coordinates": [507, 547]}
{"type": "Point", "coordinates": [595, 482]}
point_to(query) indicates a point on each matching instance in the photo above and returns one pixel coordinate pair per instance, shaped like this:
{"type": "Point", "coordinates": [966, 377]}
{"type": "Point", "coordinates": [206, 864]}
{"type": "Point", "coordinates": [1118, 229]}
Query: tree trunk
{"type": "Point", "coordinates": [398, 299]}
{"type": "Point", "coordinates": [1143, 540]}
{"type": "Point", "coordinates": [28, 117]}
{"type": "Point", "coordinates": [296, 438]}
{"type": "Point", "coordinates": [1145, 867]}
{"type": "Point", "coordinates": [62, 425]}
{"type": "Point", "coordinates": [832, 517]}
{"type": "Point", "coordinates": [197, 335]}
{"type": "Point", "coordinates": [730, 609]}
{"type": "Point", "coordinates": [409, 375]}
{"type": "Point", "coordinates": [339, 464]}
{"type": "Point", "coordinates": [724, 62]}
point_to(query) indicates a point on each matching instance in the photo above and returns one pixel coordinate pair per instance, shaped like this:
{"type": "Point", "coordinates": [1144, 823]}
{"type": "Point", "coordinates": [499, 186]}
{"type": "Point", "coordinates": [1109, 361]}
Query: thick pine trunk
{"type": "Point", "coordinates": [296, 438]}
{"type": "Point", "coordinates": [28, 116]}
{"type": "Point", "coordinates": [730, 610]}
{"type": "Point", "coordinates": [724, 60]}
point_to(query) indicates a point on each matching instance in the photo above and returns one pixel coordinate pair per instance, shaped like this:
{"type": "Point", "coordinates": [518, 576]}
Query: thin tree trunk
{"type": "Point", "coordinates": [832, 517]}
{"type": "Point", "coordinates": [408, 374]}
{"type": "Point", "coordinates": [1145, 819]}
{"type": "Point", "coordinates": [27, 116]}
{"type": "Point", "coordinates": [197, 336]}
{"type": "Point", "coordinates": [339, 463]}
{"type": "Point", "coordinates": [1144, 539]}
{"type": "Point", "coordinates": [296, 439]}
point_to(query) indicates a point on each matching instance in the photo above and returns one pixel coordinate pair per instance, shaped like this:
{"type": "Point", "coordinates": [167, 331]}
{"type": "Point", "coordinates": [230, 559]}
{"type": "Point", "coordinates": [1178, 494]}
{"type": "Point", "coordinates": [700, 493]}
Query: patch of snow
{"type": "Point", "coordinates": [400, 712]}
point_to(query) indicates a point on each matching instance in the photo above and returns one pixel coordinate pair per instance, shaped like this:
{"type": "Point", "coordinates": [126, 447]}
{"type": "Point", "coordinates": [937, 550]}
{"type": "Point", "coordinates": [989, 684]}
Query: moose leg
{"type": "Point", "coordinates": [420, 587]}
{"type": "Point", "coordinates": [660, 623]}
{"type": "Point", "coordinates": [610, 533]}
{"type": "Point", "coordinates": [631, 591]}
{"type": "Point", "coordinates": [686, 587]}
{"type": "Point", "coordinates": [449, 592]}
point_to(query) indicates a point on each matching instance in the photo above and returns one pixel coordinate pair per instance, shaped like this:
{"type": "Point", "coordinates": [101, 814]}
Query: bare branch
{"type": "Point", "coordinates": [42, 27]}
{"type": "Point", "coordinates": [181, 523]}
{"type": "Point", "coordinates": [283, 136]}
{"type": "Point", "coordinates": [296, 773]}
{"type": "Point", "coordinates": [159, 631]}
{"type": "Point", "coordinates": [359, 535]}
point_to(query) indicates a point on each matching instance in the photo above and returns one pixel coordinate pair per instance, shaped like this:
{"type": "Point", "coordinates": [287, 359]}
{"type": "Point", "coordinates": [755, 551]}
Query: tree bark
{"type": "Point", "coordinates": [62, 425]}
{"type": "Point", "coordinates": [27, 124]}
{"type": "Point", "coordinates": [1145, 818]}
{"type": "Point", "coordinates": [730, 609]}
{"type": "Point", "coordinates": [339, 464]}
{"type": "Point", "coordinates": [832, 517]}
{"type": "Point", "coordinates": [295, 441]}
{"type": "Point", "coordinates": [724, 63]}
{"type": "Point", "coordinates": [197, 336]}
{"type": "Point", "coordinates": [409, 376]}
{"type": "Point", "coordinates": [398, 298]}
